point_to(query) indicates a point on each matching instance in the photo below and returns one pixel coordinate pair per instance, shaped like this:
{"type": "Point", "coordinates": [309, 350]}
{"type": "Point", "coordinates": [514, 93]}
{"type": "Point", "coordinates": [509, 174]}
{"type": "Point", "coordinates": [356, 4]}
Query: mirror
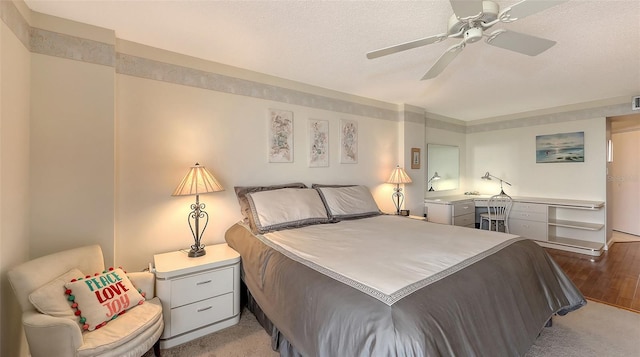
{"type": "Point", "coordinates": [443, 160]}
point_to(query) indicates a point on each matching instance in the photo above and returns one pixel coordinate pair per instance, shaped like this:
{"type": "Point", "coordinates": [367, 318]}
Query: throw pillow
{"type": "Point", "coordinates": [349, 202]}
{"type": "Point", "coordinates": [286, 208]}
{"type": "Point", "coordinates": [103, 297]}
{"type": "Point", "coordinates": [50, 299]}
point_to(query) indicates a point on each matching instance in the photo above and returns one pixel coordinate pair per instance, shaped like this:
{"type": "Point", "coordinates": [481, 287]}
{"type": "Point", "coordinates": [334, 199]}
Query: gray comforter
{"type": "Point", "coordinates": [494, 307]}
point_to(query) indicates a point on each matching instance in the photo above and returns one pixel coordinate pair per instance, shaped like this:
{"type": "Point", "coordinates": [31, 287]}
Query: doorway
{"type": "Point", "coordinates": [623, 178]}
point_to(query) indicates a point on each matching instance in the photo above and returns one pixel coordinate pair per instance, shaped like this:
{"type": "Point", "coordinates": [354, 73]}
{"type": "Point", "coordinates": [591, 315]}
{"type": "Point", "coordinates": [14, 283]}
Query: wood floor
{"type": "Point", "coordinates": [613, 278]}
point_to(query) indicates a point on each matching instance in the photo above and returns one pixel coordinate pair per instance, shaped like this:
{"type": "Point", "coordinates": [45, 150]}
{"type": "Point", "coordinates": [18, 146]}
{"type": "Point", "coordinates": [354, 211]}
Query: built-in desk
{"type": "Point", "coordinates": [573, 225]}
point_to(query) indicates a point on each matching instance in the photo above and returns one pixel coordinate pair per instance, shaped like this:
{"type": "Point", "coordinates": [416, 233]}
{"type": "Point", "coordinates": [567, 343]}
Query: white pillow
{"type": "Point", "coordinates": [349, 202]}
{"type": "Point", "coordinates": [50, 298]}
{"type": "Point", "coordinates": [286, 208]}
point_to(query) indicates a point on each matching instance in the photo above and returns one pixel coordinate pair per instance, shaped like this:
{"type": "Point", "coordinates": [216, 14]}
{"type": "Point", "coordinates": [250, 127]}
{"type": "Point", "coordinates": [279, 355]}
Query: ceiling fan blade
{"type": "Point", "coordinates": [519, 42]}
{"type": "Point", "coordinates": [528, 7]}
{"type": "Point", "coordinates": [443, 61]}
{"type": "Point", "coordinates": [406, 46]}
{"type": "Point", "coordinates": [466, 8]}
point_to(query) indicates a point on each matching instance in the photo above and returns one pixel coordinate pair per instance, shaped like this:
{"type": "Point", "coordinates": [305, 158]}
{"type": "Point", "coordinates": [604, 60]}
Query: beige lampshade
{"type": "Point", "coordinates": [399, 176]}
{"type": "Point", "coordinates": [197, 181]}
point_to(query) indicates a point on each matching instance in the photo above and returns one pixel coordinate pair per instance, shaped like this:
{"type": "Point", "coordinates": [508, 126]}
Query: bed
{"type": "Point", "coordinates": [328, 275]}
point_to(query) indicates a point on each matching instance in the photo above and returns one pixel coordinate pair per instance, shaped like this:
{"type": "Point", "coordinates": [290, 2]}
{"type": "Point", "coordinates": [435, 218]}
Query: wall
{"type": "Point", "coordinates": [14, 169]}
{"type": "Point", "coordinates": [411, 135]}
{"type": "Point", "coordinates": [510, 155]}
{"type": "Point", "coordinates": [71, 155]}
{"type": "Point", "coordinates": [108, 180]}
{"type": "Point", "coordinates": [163, 128]}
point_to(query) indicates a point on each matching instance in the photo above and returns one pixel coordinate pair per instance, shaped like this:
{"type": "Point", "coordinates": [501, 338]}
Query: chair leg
{"type": "Point", "coordinates": [156, 348]}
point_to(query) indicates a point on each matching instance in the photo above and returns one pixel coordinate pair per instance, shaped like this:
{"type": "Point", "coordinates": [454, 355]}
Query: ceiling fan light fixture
{"type": "Point", "coordinates": [473, 34]}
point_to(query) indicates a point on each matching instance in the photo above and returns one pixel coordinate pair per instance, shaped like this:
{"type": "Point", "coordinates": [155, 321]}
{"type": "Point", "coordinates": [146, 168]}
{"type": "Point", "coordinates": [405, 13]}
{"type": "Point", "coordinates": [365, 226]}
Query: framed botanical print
{"type": "Point", "coordinates": [318, 143]}
{"type": "Point", "coordinates": [415, 158]}
{"type": "Point", "coordinates": [348, 141]}
{"type": "Point", "coordinates": [280, 135]}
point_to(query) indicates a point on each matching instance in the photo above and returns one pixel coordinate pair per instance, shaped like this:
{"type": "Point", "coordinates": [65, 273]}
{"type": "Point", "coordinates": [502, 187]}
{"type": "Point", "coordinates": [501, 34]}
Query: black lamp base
{"type": "Point", "coordinates": [194, 253]}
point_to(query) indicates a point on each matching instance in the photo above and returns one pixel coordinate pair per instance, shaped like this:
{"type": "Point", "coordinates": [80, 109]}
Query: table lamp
{"type": "Point", "coordinates": [196, 182]}
{"type": "Point", "coordinates": [397, 177]}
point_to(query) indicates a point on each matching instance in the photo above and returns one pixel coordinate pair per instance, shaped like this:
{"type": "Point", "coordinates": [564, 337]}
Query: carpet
{"type": "Point", "coordinates": [595, 330]}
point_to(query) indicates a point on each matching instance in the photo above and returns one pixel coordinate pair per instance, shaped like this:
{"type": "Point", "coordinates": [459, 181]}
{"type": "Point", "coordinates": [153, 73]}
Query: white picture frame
{"type": "Point", "coordinates": [348, 141]}
{"type": "Point", "coordinates": [318, 143]}
{"type": "Point", "coordinates": [280, 135]}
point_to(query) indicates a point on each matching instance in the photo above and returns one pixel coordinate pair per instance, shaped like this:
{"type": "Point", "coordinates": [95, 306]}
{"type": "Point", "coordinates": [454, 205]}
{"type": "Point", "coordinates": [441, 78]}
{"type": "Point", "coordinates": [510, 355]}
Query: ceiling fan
{"type": "Point", "coordinates": [469, 21]}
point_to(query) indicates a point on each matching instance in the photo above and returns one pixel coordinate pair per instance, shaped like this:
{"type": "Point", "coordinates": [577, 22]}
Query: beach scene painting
{"type": "Point", "coordinates": [564, 147]}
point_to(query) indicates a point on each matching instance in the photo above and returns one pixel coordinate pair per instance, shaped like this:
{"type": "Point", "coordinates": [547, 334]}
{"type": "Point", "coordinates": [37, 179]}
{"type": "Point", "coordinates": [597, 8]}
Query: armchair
{"type": "Point", "coordinates": [131, 334]}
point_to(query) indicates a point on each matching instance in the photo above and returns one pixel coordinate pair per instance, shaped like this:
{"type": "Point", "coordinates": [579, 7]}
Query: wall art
{"type": "Point", "coordinates": [563, 147]}
{"type": "Point", "coordinates": [415, 158]}
{"type": "Point", "coordinates": [280, 135]}
{"type": "Point", "coordinates": [348, 141]}
{"type": "Point", "coordinates": [318, 143]}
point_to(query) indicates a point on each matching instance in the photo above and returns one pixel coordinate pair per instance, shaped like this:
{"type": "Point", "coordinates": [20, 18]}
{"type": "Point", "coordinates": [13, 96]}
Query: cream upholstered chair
{"type": "Point", "coordinates": [498, 209]}
{"type": "Point", "coordinates": [55, 333]}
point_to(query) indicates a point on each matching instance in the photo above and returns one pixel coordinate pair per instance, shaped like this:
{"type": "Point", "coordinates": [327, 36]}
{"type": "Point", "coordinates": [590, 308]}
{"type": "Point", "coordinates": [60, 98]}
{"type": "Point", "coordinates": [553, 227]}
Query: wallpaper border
{"type": "Point", "coordinates": [533, 120]}
{"type": "Point", "coordinates": [71, 47]}
{"type": "Point", "coordinates": [165, 72]}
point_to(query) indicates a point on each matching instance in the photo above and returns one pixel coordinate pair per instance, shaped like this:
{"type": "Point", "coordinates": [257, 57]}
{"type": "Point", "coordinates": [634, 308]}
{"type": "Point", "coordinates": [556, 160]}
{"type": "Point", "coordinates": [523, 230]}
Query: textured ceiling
{"type": "Point", "coordinates": [323, 43]}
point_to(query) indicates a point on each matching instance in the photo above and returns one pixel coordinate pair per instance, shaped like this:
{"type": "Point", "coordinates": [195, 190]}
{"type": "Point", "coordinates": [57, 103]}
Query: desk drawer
{"type": "Point", "coordinates": [528, 229]}
{"type": "Point", "coordinates": [201, 313]}
{"type": "Point", "coordinates": [201, 286]}
{"type": "Point", "coordinates": [467, 220]}
{"type": "Point", "coordinates": [463, 208]}
{"type": "Point", "coordinates": [529, 216]}
{"type": "Point", "coordinates": [529, 207]}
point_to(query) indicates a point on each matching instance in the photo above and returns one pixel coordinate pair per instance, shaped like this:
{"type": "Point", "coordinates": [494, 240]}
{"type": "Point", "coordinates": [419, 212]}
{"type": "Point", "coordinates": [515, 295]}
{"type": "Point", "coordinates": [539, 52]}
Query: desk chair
{"type": "Point", "coordinates": [498, 209]}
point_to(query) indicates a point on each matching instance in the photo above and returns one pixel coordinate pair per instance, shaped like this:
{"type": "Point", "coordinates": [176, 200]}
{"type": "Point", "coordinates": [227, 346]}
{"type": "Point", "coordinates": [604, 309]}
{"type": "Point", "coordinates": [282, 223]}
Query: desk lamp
{"type": "Point", "coordinates": [197, 181]}
{"type": "Point", "coordinates": [397, 177]}
{"type": "Point", "coordinates": [488, 176]}
{"type": "Point", "coordinates": [435, 177]}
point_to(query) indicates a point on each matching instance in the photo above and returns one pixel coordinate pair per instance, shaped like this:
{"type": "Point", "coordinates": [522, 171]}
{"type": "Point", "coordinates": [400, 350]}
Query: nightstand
{"type": "Point", "coordinates": [199, 295]}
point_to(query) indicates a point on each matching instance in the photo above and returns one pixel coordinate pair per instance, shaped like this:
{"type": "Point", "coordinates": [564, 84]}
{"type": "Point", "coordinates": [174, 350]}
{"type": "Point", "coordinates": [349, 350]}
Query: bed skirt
{"type": "Point", "coordinates": [278, 341]}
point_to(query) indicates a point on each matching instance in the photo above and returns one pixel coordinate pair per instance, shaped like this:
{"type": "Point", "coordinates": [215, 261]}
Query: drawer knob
{"type": "Point", "coordinates": [203, 282]}
{"type": "Point", "coordinates": [204, 308]}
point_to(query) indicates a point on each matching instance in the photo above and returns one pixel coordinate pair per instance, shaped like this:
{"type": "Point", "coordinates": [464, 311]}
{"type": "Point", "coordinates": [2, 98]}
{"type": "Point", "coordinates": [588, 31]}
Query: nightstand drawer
{"type": "Point", "coordinates": [201, 286]}
{"type": "Point", "coordinates": [192, 316]}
